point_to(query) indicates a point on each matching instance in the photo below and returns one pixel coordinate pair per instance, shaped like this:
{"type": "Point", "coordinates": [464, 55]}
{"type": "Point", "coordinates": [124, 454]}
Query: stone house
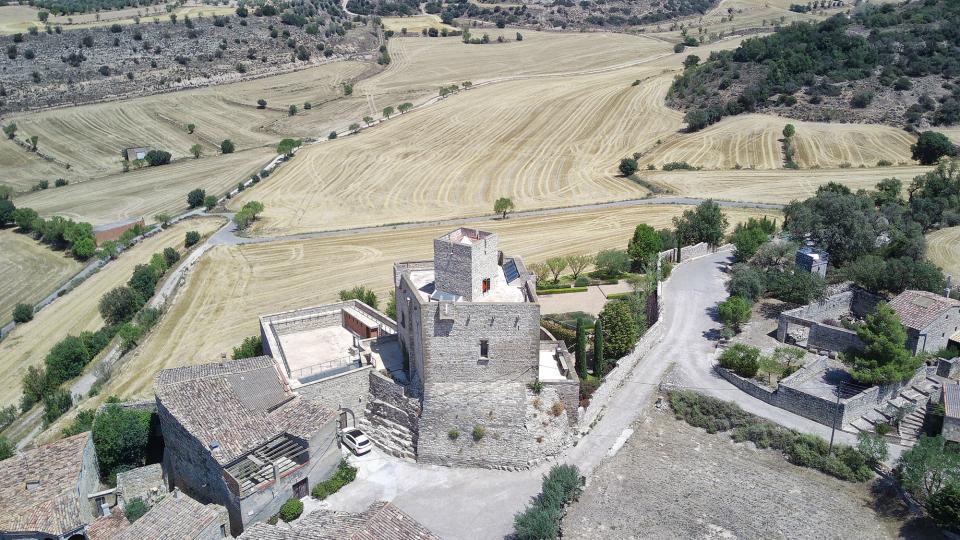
{"type": "Point", "coordinates": [178, 517]}
{"type": "Point", "coordinates": [812, 260]}
{"type": "Point", "coordinates": [381, 521]}
{"type": "Point", "coordinates": [135, 152]}
{"type": "Point", "coordinates": [235, 435]}
{"type": "Point", "coordinates": [44, 491]}
{"type": "Point", "coordinates": [931, 320]}
{"type": "Point", "coordinates": [468, 324]}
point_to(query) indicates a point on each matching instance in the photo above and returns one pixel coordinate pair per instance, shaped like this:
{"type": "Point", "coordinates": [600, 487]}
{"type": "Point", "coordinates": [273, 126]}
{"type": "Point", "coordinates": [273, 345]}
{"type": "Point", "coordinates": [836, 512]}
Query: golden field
{"type": "Point", "coordinates": [231, 286]}
{"type": "Point", "coordinates": [30, 271]}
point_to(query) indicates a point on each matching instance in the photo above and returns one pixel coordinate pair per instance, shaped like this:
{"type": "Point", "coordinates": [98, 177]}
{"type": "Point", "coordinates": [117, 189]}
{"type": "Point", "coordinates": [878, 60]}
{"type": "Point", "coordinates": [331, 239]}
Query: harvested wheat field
{"type": "Point", "coordinates": [147, 192]}
{"type": "Point", "coordinates": [943, 249]}
{"type": "Point", "coordinates": [77, 311]}
{"type": "Point", "coordinates": [231, 286]}
{"type": "Point", "coordinates": [90, 138]}
{"type": "Point", "coordinates": [14, 19]}
{"type": "Point", "coordinates": [22, 169]}
{"type": "Point", "coordinates": [30, 271]}
{"type": "Point", "coordinates": [553, 143]}
{"type": "Point", "coordinates": [415, 24]}
{"type": "Point", "coordinates": [772, 186]}
{"type": "Point", "coordinates": [755, 141]}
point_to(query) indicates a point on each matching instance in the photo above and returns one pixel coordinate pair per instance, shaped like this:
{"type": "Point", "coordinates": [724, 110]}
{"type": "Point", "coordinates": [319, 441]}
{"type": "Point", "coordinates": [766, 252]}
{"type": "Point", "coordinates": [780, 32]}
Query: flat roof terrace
{"type": "Point", "coordinates": [500, 291]}
{"type": "Point", "coordinates": [316, 350]}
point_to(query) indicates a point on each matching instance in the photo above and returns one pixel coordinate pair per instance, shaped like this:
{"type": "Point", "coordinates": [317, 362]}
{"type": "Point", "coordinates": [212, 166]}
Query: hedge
{"type": "Point", "coordinates": [540, 521]}
{"type": "Point", "coordinates": [562, 291]}
{"type": "Point", "coordinates": [344, 475]}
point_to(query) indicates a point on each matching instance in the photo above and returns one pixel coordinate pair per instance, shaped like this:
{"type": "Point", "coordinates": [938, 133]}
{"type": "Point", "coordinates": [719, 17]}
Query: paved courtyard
{"type": "Point", "coordinates": [590, 301]}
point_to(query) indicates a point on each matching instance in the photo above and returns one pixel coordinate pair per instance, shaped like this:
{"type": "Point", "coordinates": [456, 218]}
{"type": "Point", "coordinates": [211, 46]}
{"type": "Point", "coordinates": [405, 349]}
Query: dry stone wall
{"type": "Point", "coordinates": [391, 418]}
{"type": "Point", "coordinates": [346, 390]}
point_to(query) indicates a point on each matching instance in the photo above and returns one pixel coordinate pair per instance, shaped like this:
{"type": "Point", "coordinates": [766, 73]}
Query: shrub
{"type": "Point", "coordinates": [22, 313]}
{"type": "Point", "coordinates": [191, 238]}
{"type": "Point", "coordinates": [557, 408]}
{"type": "Point", "coordinates": [157, 157]}
{"type": "Point", "coordinates": [344, 475]}
{"type": "Point", "coordinates": [536, 386]}
{"type": "Point", "coordinates": [227, 146]}
{"type": "Point", "coordinates": [209, 201]}
{"type": "Point", "coordinates": [453, 434]}
{"type": "Point", "coordinates": [581, 281]}
{"type": "Point", "coordinates": [478, 432]}
{"type": "Point", "coordinates": [67, 359]}
{"type": "Point", "coordinates": [55, 404]}
{"type": "Point", "coordinates": [121, 437]}
{"type": "Point", "coordinates": [678, 166]}
{"type": "Point", "coordinates": [196, 197]}
{"type": "Point", "coordinates": [251, 347]}
{"type": "Point", "coordinates": [6, 448]}
{"type": "Point", "coordinates": [628, 166]}
{"type": "Point", "coordinates": [60, 182]}
{"type": "Point", "coordinates": [944, 506]}
{"type": "Point", "coordinates": [135, 509]}
{"type": "Point", "coordinates": [743, 360]}
{"type": "Point", "coordinates": [734, 312]}
{"type": "Point", "coordinates": [561, 485]}
{"type": "Point", "coordinates": [291, 510]}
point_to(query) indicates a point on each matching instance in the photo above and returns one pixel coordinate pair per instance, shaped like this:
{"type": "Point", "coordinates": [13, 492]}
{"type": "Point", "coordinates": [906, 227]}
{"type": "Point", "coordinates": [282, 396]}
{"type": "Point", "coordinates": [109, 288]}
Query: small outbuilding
{"type": "Point", "coordinates": [931, 320]}
{"type": "Point", "coordinates": [812, 260]}
{"type": "Point", "coordinates": [134, 153]}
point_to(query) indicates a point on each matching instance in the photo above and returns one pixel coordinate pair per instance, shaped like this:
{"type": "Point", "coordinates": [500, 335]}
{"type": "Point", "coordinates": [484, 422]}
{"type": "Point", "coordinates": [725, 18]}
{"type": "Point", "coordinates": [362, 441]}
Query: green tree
{"type": "Point", "coordinates": [157, 157]}
{"type": "Point", "coordinates": [195, 198]}
{"type": "Point", "coordinates": [66, 359]}
{"type": "Point", "coordinates": [191, 128]}
{"type": "Point", "coordinates": [944, 506]}
{"type": "Point", "coordinates": [354, 127]}
{"type": "Point", "coordinates": [599, 361]}
{"type": "Point", "coordinates": [742, 359]}
{"type": "Point", "coordinates": [873, 446]}
{"type": "Point", "coordinates": [10, 130]}
{"type": "Point", "coordinates": [706, 223]}
{"type": "Point", "coordinates": [7, 209]}
{"type": "Point", "coordinates": [227, 146]}
{"type": "Point", "coordinates": [628, 166]}
{"type": "Point", "coordinates": [251, 347]}
{"type": "Point", "coordinates": [55, 404]}
{"type": "Point", "coordinates": [210, 201]}
{"type": "Point", "coordinates": [191, 238]}
{"type": "Point", "coordinates": [333, 135]}
{"type": "Point", "coordinates": [503, 206]}
{"type": "Point", "coordinates": [612, 263]}
{"type": "Point", "coordinates": [119, 305]}
{"type": "Point", "coordinates": [885, 358]}
{"type": "Point", "coordinates": [734, 312]}
{"type": "Point", "coordinates": [841, 222]}
{"type": "Point", "coordinates": [578, 263]}
{"type": "Point", "coordinates": [556, 265]}
{"type": "Point", "coordinates": [196, 150]}
{"type": "Point", "coordinates": [292, 110]}
{"type": "Point", "coordinates": [388, 111]}
{"type": "Point", "coordinates": [170, 256]}
{"type": "Point", "coordinates": [360, 293]}
{"type": "Point", "coordinates": [287, 146]}
{"type": "Point", "coordinates": [404, 107]}
{"type": "Point", "coordinates": [143, 281]}
{"type": "Point", "coordinates": [261, 103]}
{"type": "Point", "coordinates": [644, 247]}
{"type": "Point", "coordinates": [789, 131]}
{"type": "Point", "coordinates": [121, 437]}
{"type": "Point", "coordinates": [929, 466]}
{"type": "Point", "coordinates": [747, 240]}
{"type": "Point", "coordinates": [84, 248]}
{"type": "Point", "coordinates": [6, 448]}
{"type": "Point", "coordinates": [581, 350]}
{"type": "Point", "coordinates": [33, 142]}
{"type": "Point", "coordinates": [931, 146]}
{"type": "Point", "coordinates": [619, 328]}
{"type": "Point", "coordinates": [22, 313]}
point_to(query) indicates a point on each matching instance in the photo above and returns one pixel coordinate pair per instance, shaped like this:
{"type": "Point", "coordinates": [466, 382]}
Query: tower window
{"type": "Point", "coordinates": [486, 285]}
{"type": "Point", "coordinates": [484, 348]}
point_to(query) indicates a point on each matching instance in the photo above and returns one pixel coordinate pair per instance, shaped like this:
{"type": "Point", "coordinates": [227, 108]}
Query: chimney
{"type": "Point", "coordinates": [949, 287]}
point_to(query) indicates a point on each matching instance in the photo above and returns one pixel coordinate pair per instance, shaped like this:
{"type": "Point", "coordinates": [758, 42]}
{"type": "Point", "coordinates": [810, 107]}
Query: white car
{"type": "Point", "coordinates": [356, 441]}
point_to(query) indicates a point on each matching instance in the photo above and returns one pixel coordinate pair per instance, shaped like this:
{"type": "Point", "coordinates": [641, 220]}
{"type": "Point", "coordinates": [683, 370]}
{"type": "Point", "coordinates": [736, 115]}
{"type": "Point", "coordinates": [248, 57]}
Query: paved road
{"type": "Point", "coordinates": [477, 503]}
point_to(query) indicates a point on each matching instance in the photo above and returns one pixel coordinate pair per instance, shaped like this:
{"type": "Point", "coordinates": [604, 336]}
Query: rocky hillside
{"type": "Point", "coordinates": [891, 64]}
{"type": "Point", "coordinates": [50, 67]}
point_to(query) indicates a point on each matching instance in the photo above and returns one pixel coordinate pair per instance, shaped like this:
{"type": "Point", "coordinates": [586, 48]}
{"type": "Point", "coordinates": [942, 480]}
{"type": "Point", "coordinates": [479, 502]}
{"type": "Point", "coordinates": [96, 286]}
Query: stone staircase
{"type": "Point", "coordinates": [391, 429]}
{"type": "Point", "coordinates": [912, 400]}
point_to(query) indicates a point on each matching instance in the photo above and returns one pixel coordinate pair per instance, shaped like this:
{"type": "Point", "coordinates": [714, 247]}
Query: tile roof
{"type": "Point", "coordinates": [108, 527]}
{"type": "Point", "coordinates": [951, 399]}
{"type": "Point", "coordinates": [382, 521]}
{"type": "Point", "coordinates": [176, 517]}
{"type": "Point", "coordinates": [237, 406]}
{"type": "Point", "coordinates": [53, 505]}
{"type": "Point", "coordinates": [917, 309]}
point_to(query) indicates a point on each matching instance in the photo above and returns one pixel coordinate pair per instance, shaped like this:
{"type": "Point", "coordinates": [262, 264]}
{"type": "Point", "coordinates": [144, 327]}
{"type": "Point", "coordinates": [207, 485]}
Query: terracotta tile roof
{"type": "Point", "coordinates": [382, 521]}
{"type": "Point", "coordinates": [917, 309]}
{"type": "Point", "coordinates": [53, 504]}
{"type": "Point", "coordinates": [176, 517]}
{"type": "Point", "coordinates": [237, 406]}
{"type": "Point", "coordinates": [108, 527]}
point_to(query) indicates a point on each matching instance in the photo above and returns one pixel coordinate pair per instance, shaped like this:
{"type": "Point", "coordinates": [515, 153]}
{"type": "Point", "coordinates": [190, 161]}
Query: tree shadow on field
{"type": "Point", "coordinates": [888, 505]}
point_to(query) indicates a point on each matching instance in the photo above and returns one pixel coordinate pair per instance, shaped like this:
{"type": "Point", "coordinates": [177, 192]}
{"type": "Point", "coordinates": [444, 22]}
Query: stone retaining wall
{"type": "Point", "coordinates": [345, 390]}
{"type": "Point", "coordinates": [391, 419]}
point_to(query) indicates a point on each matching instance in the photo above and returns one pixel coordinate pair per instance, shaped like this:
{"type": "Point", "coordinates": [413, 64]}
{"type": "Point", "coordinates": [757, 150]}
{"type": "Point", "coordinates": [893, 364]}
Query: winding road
{"type": "Point", "coordinates": [460, 503]}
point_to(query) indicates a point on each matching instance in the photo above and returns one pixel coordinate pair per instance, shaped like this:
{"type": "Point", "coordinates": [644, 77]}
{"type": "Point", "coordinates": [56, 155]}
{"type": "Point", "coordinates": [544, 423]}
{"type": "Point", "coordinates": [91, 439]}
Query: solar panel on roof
{"type": "Point", "coordinates": [510, 271]}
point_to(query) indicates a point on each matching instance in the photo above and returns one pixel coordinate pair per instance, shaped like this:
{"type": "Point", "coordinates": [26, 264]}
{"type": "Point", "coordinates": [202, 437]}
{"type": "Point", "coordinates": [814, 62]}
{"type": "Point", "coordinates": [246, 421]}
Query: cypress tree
{"type": "Point", "coordinates": [599, 362]}
{"type": "Point", "coordinates": [581, 351]}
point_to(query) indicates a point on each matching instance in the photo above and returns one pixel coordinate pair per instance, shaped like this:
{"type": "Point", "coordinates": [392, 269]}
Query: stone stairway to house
{"type": "Point", "coordinates": [912, 400]}
{"type": "Point", "coordinates": [393, 430]}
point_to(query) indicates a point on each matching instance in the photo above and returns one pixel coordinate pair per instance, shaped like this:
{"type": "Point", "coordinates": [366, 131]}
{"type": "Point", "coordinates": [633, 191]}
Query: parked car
{"type": "Point", "coordinates": [356, 441]}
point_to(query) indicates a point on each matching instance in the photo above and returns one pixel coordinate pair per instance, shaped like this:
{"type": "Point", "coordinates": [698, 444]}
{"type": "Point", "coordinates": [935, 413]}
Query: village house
{"type": "Point", "coordinates": [44, 491]}
{"type": "Point", "coordinates": [931, 320]}
{"type": "Point", "coordinates": [235, 435]}
{"type": "Point", "coordinates": [178, 517]}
